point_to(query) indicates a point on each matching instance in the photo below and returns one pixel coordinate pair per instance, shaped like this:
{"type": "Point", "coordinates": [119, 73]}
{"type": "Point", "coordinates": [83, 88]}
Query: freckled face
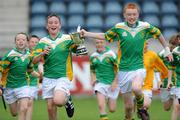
{"type": "Point", "coordinates": [131, 16]}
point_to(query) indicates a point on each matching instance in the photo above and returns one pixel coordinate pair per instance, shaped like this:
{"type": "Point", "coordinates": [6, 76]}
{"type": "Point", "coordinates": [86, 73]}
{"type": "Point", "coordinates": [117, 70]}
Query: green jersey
{"type": "Point", "coordinates": [131, 40]}
{"type": "Point", "coordinates": [16, 64]}
{"type": "Point", "coordinates": [58, 63]}
{"type": "Point", "coordinates": [175, 65]}
{"type": "Point", "coordinates": [104, 65]}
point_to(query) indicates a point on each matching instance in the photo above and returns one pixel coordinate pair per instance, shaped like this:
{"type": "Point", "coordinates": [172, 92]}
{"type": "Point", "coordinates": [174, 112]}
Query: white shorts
{"type": "Point", "coordinates": [106, 90]}
{"type": "Point", "coordinates": [148, 93]}
{"type": "Point", "coordinates": [157, 79]}
{"type": "Point", "coordinates": [177, 92]}
{"type": "Point", "coordinates": [165, 94]}
{"type": "Point", "coordinates": [34, 92]}
{"type": "Point", "coordinates": [50, 85]}
{"type": "Point", "coordinates": [11, 95]}
{"type": "Point", "coordinates": [125, 79]}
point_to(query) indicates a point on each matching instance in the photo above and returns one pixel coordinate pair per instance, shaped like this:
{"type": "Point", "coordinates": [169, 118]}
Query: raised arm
{"type": "Point", "coordinates": [87, 34]}
{"type": "Point", "coordinates": [166, 48]}
{"type": "Point", "coordinates": [40, 56]}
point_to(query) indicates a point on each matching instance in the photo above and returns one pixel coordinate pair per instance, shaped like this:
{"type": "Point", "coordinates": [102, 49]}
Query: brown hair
{"type": "Point", "coordinates": [173, 41]}
{"type": "Point", "coordinates": [34, 36]}
{"type": "Point", "coordinates": [22, 34]}
{"type": "Point", "coordinates": [131, 6]}
{"type": "Point", "coordinates": [53, 15]}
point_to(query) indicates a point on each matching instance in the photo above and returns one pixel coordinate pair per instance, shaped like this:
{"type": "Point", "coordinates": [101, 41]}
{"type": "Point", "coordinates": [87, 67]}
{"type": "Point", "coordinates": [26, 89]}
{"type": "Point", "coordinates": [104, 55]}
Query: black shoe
{"type": "Point", "coordinates": [143, 114]}
{"type": "Point", "coordinates": [69, 108]}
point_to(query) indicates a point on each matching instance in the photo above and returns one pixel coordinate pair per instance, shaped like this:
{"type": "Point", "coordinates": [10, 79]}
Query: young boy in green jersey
{"type": "Point", "coordinates": [16, 64]}
{"type": "Point", "coordinates": [104, 67]}
{"type": "Point", "coordinates": [56, 51]}
{"type": "Point", "coordinates": [175, 66]}
{"type": "Point", "coordinates": [33, 81]}
{"type": "Point", "coordinates": [167, 95]}
{"type": "Point", "coordinates": [131, 35]}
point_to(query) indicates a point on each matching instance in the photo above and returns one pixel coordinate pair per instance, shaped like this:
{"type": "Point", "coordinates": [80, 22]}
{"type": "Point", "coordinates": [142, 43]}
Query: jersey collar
{"type": "Point", "coordinates": [22, 52]}
{"type": "Point", "coordinates": [106, 49]}
{"type": "Point", "coordinates": [136, 24]}
{"type": "Point", "coordinates": [59, 35]}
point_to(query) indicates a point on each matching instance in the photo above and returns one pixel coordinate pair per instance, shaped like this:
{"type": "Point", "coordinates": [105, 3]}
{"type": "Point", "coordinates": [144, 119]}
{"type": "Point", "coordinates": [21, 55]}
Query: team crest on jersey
{"type": "Point", "coordinates": [16, 58]}
{"type": "Point", "coordinates": [94, 60]}
{"type": "Point", "coordinates": [24, 57]}
{"type": "Point", "coordinates": [107, 60]}
{"type": "Point", "coordinates": [124, 34]}
{"type": "Point", "coordinates": [178, 58]}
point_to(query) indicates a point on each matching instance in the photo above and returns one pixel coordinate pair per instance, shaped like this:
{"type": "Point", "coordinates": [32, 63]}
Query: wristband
{"type": "Point", "coordinates": [166, 51]}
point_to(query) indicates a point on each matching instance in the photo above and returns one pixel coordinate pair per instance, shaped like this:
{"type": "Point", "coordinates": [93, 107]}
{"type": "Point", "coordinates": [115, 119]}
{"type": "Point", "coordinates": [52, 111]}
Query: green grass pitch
{"type": "Point", "coordinates": [86, 109]}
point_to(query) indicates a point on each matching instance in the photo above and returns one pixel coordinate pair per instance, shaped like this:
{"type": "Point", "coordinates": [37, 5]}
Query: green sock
{"type": "Point", "coordinates": [140, 101]}
{"type": "Point", "coordinates": [104, 117]}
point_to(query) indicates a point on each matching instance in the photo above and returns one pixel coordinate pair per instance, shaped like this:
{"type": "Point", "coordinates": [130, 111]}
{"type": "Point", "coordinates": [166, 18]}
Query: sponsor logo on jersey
{"type": "Point", "coordinates": [124, 34]}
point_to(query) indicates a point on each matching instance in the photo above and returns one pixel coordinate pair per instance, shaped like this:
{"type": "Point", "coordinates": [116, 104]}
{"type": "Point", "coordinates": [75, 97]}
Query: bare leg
{"type": "Point", "coordinates": [14, 109]}
{"type": "Point", "coordinates": [30, 109]}
{"type": "Point", "coordinates": [128, 103]}
{"type": "Point", "coordinates": [101, 103]}
{"type": "Point", "coordinates": [52, 109]}
{"type": "Point", "coordinates": [167, 104]}
{"type": "Point", "coordinates": [147, 102]}
{"type": "Point", "coordinates": [112, 105]}
{"type": "Point", "coordinates": [176, 110]}
{"type": "Point", "coordinates": [23, 106]}
{"type": "Point", "coordinates": [101, 99]}
{"type": "Point", "coordinates": [60, 98]}
{"type": "Point", "coordinates": [137, 86]}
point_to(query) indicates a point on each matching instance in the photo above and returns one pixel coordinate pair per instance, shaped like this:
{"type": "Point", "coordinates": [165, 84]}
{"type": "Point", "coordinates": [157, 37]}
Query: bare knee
{"type": "Point", "coordinates": [129, 108]}
{"type": "Point", "coordinates": [13, 112]}
{"type": "Point", "coordinates": [30, 103]}
{"type": "Point", "coordinates": [23, 108]}
{"type": "Point", "coordinates": [112, 107]}
{"type": "Point", "coordinates": [59, 98]}
{"type": "Point", "coordinates": [112, 110]}
{"type": "Point", "coordinates": [136, 89]}
{"type": "Point", "coordinates": [59, 102]}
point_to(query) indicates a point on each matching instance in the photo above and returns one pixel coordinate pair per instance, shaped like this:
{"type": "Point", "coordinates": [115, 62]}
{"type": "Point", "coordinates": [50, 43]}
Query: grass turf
{"type": "Point", "coordinates": [87, 109]}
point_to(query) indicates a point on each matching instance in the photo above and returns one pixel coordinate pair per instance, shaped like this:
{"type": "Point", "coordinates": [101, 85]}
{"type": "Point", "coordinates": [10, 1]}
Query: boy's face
{"type": "Point", "coordinates": [33, 42]}
{"type": "Point", "coordinates": [21, 41]}
{"type": "Point", "coordinates": [100, 45]}
{"type": "Point", "coordinates": [131, 16]}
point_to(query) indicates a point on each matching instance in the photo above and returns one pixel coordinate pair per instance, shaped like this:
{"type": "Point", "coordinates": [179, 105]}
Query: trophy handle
{"type": "Point", "coordinates": [76, 38]}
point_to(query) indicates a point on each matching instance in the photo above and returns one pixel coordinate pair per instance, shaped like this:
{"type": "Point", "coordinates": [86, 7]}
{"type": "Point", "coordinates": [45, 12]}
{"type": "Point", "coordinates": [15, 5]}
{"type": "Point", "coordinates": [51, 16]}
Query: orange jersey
{"type": "Point", "coordinates": [151, 62]}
